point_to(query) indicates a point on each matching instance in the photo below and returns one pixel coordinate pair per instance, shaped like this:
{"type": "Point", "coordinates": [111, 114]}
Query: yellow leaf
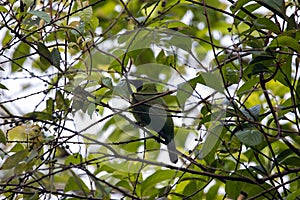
{"type": "Point", "coordinates": [17, 133]}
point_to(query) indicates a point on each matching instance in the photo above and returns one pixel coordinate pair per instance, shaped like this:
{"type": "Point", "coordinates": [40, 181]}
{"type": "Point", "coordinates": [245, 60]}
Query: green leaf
{"type": "Point", "coordinates": [247, 86]}
{"type": "Point", "coordinates": [104, 168]}
{"type": "Point", "coordinates": [258, 68]}
{"type": "Point", "coordinates": [211, 142]}
{"type": "Point", "coordinates": [291, 23]}
{"type": "Point", "coordinates": [93, 22]}
{"type": "Point", "coordinates": [213, 192]}
{"type": "Point", "coordinates": [171, 24]}
{"type": "Point", "coordinates": [20, 167]}
{"type": "Point", "coordinates": [2, 137]}
{"type": "Point", "coordinates": [285, 41]}
{"type": "Point", "coordinates": [124, 184]}
{"type": "Point", "coordinates": [156, 178]}
{"type": "Point", "coordinates": [254, 189]}
{"type": "Point", "coordinates": [186, 89]}
{"type": "Point", "coordinates": [214, 81]}
{"type": "Point", "coordinates": [284, 107]}
{"type": "Point", "coordinates": [292, 161]}
{"type": "Point", "coordinates": [30, 194]}
{"type": "Point", "coordinates": [55, 57]}
{"type": "Point", "coordinates": [86, 14]}
{"type": "Point", "coordinates": [60, 100]}
{"type": "Point", "coordinates": [284, 74]}
{"type": "Point", "coordinates": [41, 14]}
{"type": "Point", "coordinates": [243, 15]}
{"type": "Point", "coordinates": [238, 5]}
{"type": "Point", "coordinates": [74, 159]}
{"type": "Point", "coordinates": [115, 65]}
{"type": "Point", "coordinates": [293, 195]}
{"type": "Point", "coordinates": [265, 23]}
{"type": "Point", "coordinates": [75, 183]}
{"type": "Point", "coordinates": [37, 64]}
{"type": "Point", "coordinates": [121, 89]}
{"type": "Point", "coordinates": [3, 87]}
{"type": "Point", "coordinates": [261, 58]}
{"type": "Point", "coordinates": [161, 57]}
{"type": "Point", "coordinates": [276, 6]}
{"type": "Point", "coordinates": [148, 4]}
{"type": "Point", "coordinates": [106, 81]}
{"type": "Point", "coordinates": [252, 113]}
{"type": "Point", "coordinates": [17, 133]}
{"type": "Point", "coordinates": [282, 156]}
{"type": "Point", "coordinates": [19, 56]}
{"type": "Point", "coordinates": [45, 54]}
{"type": "Point", "coordinates": [298, 95]}
{"type": "Point", "coordinates": [7, 38]}
{"type": "Point", "coordinates": [182, 42]}
{"type": "Point", "coordinates": [29, 2]}
{"type": "Point", "coordinates": [190, 188]}
{"type": "Point", "coordinates": [233, 188]}
{"type": "Point", "coordinates": [47, 182]}
{"type": "Point", "coordinates": [138, 40]}
{"type": "Point", "coordinates": [250, 137]}
{"type": "Point", "coordinates": [13, 160]}
{"type": "Point", "coordinates": [39, 115]}
{"type": "Point", "coordinates": [3, 9]}
{"type": "Point", "coordinates": [102, 191]}
{"type": "Point", "coordinates": [232, 76]}
{"type": "Point", "coordinates": [50, 106]}
{"type": "Point", "coordinates": [17, 147]}
{"type": "Point", "coordinates": [142, 56]}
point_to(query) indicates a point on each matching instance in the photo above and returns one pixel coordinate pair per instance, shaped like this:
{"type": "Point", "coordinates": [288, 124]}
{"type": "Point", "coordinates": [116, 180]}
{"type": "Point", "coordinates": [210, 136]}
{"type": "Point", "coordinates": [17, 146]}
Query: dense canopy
{"type": "Point", "coordinates": [225, 74]}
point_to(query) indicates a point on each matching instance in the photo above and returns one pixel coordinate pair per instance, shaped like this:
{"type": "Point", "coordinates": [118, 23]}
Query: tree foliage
{"type": "Point", "coordinates": [228, 71]}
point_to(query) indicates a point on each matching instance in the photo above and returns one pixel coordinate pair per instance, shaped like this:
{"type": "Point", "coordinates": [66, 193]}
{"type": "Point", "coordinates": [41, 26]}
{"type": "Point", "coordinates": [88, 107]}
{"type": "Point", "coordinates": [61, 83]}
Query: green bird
{"type": "Point", "coordinates": [152, 114]}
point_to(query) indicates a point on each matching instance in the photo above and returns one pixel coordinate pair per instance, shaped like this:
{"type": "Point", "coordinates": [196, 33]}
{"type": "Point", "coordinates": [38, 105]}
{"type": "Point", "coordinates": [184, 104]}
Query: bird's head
{"type": "Point", "coordinates": [138, 84]}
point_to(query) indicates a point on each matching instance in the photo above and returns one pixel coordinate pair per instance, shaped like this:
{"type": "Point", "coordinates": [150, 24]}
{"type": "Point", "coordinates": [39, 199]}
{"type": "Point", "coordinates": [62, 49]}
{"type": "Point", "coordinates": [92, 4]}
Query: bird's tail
{"type": "Point", "coordinates": [172, 151]}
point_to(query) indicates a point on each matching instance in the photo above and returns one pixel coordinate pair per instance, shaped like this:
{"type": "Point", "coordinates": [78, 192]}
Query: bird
{"type": "Point", "coordinates": [150, 111]}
